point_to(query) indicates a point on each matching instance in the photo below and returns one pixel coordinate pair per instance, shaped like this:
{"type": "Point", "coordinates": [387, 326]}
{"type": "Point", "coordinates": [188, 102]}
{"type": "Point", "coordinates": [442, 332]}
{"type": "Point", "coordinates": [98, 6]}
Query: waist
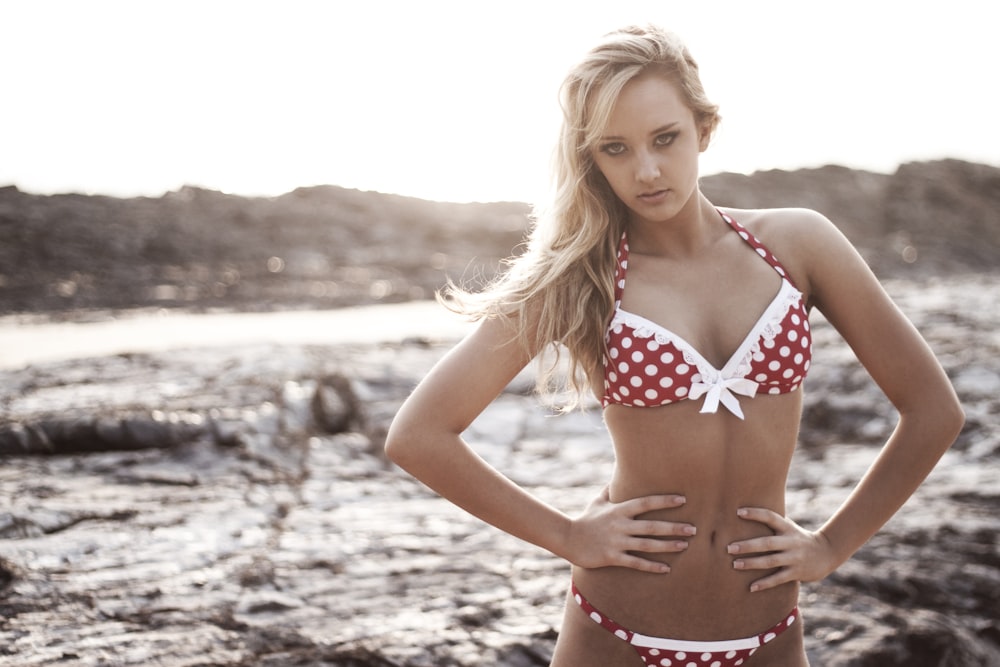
{"type": "Point", "coordinates": [706, 566]}
{"type": "Point", "coordinates": [703, 593]}
{"type": "Point", "coordinates": [702, 579]}
{"type": "Point", "coordinates": [729, 646]}
{"type": "Point", "coordinates": [703, 601]}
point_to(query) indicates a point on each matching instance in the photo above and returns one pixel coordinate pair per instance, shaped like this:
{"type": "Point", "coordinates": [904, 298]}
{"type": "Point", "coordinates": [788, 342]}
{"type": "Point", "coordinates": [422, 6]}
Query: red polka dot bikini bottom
{"type": "Point", "coordinates": [680, 653]}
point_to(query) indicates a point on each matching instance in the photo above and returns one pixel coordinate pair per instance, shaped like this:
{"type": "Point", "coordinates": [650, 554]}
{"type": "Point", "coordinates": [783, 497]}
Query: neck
{"type": "Point", "coordinates": [689, 233]}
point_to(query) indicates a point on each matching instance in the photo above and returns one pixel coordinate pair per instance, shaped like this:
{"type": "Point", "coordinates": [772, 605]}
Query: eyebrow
{"type": "Point", "coordinates": [659, 130]}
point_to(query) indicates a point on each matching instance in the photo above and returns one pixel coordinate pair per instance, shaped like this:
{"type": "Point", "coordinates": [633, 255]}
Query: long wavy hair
{"type": "Point", "coordinates": [560, 291]}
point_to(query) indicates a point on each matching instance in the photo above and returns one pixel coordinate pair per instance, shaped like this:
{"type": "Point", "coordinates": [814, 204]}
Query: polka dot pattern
{"type": "Point", "coordinates": [646, 365]}
{"type": "Point", "coordinates": [672, 652]}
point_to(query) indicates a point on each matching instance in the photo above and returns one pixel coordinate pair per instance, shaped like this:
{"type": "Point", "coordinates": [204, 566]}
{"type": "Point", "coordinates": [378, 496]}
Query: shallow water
{"type": "Point", "coordinates": [23, 342]}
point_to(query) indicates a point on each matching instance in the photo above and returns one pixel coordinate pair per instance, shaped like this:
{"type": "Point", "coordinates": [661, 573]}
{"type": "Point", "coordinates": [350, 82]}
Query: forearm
{"type": "Point", "coordinates": [916, 445]}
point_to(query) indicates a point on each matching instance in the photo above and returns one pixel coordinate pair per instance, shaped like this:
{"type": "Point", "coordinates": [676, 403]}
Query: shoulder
{"type": "Point", "coordinates": [789, 226]}
{"type": "Point", "coordinates": [802, 239]}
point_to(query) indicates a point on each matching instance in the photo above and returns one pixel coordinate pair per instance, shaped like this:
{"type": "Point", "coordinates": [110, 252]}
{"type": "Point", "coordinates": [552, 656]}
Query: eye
{"type": "Point", "coordinates": [613, 148]}
{"type": "Point", "coordinates": [665, 139]}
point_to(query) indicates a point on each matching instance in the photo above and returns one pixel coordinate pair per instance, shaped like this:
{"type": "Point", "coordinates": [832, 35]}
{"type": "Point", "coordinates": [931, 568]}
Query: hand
{"type": "Point", "coordinates": [798, 554]}
{"type": "Point", "coordinates": [607, 533]}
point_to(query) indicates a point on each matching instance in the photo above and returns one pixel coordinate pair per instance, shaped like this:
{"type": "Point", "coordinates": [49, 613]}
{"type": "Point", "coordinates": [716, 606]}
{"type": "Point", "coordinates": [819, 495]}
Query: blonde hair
{"type": "Point", "coordinates": [560, 291]}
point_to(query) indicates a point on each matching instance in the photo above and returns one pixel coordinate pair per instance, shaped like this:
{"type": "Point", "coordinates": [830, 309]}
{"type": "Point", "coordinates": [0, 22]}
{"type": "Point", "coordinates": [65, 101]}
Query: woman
{"type": "Point", "coordinates": [690, 324]}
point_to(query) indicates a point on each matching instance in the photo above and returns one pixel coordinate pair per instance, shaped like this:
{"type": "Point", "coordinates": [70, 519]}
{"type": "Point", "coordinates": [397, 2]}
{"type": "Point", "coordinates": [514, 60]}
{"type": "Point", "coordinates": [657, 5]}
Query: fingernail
{"type": "Point", "coordinates": [741, 511]}
{"type": "Point", "coordinates": [680, 500]}
{"type": "Point", "coordinates": [680, 544]}
{"type": "Point", "coordinates": [754, 588]}
{"type": "Point", "coordinates": [738, 565]}
{"type": "Point", "coordinates": [733, 548]}
{"type": "Point", "coordinates": [690, 530]}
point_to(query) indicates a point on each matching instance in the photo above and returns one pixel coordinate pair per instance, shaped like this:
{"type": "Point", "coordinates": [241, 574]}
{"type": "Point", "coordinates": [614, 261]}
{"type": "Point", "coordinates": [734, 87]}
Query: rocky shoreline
{"type": "Point", "coordinates": [328, 247]}
{"type": "Point", "coordinates": [228, 504]}
{"type": "Point", "coordinates": [231, 506]}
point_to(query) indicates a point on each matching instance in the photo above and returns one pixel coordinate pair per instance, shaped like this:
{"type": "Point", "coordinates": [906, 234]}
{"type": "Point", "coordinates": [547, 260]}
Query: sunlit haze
{"type": "Point", "coordinates": [457, 100]}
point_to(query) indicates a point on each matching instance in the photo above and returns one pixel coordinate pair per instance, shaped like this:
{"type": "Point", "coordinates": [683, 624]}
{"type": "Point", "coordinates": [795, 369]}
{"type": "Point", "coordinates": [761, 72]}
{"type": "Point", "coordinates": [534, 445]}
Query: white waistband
{"type": "Point", "coordinates": [694, 647]}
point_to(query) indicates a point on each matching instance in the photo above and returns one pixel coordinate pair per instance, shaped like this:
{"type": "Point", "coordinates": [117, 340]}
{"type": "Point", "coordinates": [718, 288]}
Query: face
{"type": "Point", "coordinates": [649, 151]}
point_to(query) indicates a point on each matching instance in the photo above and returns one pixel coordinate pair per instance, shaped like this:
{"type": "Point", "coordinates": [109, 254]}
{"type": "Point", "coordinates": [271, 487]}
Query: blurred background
{"type": "Point", "coordinates": [263, 155]}
{"type": "Point", "coordinates": [456, 101]}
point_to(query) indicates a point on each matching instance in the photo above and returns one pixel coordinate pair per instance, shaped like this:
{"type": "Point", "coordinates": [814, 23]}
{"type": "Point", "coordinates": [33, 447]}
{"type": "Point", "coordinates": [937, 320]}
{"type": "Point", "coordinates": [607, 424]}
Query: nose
{"type": "Point", "coordinates": [647, 168]}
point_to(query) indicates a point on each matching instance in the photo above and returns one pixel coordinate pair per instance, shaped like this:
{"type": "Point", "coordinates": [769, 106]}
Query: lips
{"type": "Point", "coordinates": [653, 197]}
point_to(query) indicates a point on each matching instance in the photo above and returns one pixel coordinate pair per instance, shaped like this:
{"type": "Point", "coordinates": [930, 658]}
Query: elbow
{"type": "Point", "coordinates": [406, 443]}
{"type": "Point", "coordinates": [418, 443]}
{"type": "Point", "coordinates": [955, 419]}
{"type": "Point", "coordinates": [951, 416]}
{"type": "Point", "coordinates": [941, 422]}
{"type": "Point", "coordinates": [397, 447]}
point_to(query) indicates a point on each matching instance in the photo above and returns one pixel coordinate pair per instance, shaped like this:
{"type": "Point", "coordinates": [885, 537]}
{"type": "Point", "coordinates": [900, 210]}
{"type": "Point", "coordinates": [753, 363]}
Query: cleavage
{"type": "Point", "coordinates": [712, 309]}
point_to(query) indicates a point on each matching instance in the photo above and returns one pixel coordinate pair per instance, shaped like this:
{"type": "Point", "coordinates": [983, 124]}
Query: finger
{"type": "Point", "coordinates": [643, 564]}
{"type": "Point", "coordinates": [780, 577]}
{"type": "Point", "coordinates": [762, 515]}
{"type": "Point", "coordinates": [644, 504]}
{"type": "Point", "coordinates": [657, 546]}
{"type": "Point", "coordinates": [662, 528]}
{"type": "Point", "coordinates": [755, 545]}
{"type": "Point", "coordinates": [768, 562]}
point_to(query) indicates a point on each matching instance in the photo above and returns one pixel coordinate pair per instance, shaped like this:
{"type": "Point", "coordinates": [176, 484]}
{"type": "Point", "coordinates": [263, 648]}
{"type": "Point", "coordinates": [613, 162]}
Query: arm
{"type": "Point", "coordinates": [899, 360]}
{"type": "Point", "coordinates": [425, 440]}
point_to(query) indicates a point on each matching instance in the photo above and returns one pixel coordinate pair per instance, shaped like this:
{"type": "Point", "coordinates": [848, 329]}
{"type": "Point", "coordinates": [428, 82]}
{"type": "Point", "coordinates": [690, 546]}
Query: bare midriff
{"type": "Point", "coordinates": [719, 463]}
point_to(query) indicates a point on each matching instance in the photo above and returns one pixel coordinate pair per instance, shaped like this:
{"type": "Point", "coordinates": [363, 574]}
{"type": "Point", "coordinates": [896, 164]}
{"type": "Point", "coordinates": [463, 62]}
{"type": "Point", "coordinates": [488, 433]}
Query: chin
{"type": "Point", "coordinates": [664, 212]}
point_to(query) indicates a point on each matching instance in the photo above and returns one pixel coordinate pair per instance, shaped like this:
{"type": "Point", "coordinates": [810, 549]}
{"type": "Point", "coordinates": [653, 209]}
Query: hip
{"type": "Point", "coordinates": [702, 597]}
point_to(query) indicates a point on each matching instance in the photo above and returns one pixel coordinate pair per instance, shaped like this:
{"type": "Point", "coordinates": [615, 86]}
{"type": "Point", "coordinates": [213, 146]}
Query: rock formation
{"type": "Point", "coordinates": [232, 506]}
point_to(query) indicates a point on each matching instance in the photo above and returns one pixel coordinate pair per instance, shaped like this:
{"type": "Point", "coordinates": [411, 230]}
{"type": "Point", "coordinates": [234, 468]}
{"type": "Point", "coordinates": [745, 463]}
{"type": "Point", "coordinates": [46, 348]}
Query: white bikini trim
{"type": "Point", "coordinates": [719, 385]}
{"type": "Point", "coordinates": [695, 647]}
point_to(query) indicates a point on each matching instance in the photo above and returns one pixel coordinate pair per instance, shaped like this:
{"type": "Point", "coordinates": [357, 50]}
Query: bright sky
{"type": "Point", "coordinates": [457, 100]}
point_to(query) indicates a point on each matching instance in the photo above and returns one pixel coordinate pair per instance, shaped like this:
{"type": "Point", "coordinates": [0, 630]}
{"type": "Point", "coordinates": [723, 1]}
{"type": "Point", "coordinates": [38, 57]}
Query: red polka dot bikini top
{"type": "Point", "coordinates": [646, 365]}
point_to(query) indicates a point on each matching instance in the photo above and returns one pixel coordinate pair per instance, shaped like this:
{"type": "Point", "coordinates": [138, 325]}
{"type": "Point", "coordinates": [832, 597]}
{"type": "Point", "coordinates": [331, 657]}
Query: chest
{"type": "Point", "coordinates": [711, 305]}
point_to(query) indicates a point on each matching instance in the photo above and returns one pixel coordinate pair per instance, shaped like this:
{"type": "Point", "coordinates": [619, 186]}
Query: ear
{"type": "Point", "coordinates": [704, 136]}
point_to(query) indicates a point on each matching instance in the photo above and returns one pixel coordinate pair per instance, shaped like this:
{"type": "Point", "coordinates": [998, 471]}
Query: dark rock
{"type": "Point", "coordinates": [71, 434]}
{"type": "Point", "coordinates": [15, 439]}
{"type": "Point", "coordinates": [319, 247]}
{"type": "Point", "coordinates": [6, 575]}
{"type": "Point", "coordinates": [335, 406]}
{"type": "Point", "coordinates": [326, 247]}
{"type": "Point", "coordinates": [924, 638]}
{"type": "Point", "coordinates": [927, 218]}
